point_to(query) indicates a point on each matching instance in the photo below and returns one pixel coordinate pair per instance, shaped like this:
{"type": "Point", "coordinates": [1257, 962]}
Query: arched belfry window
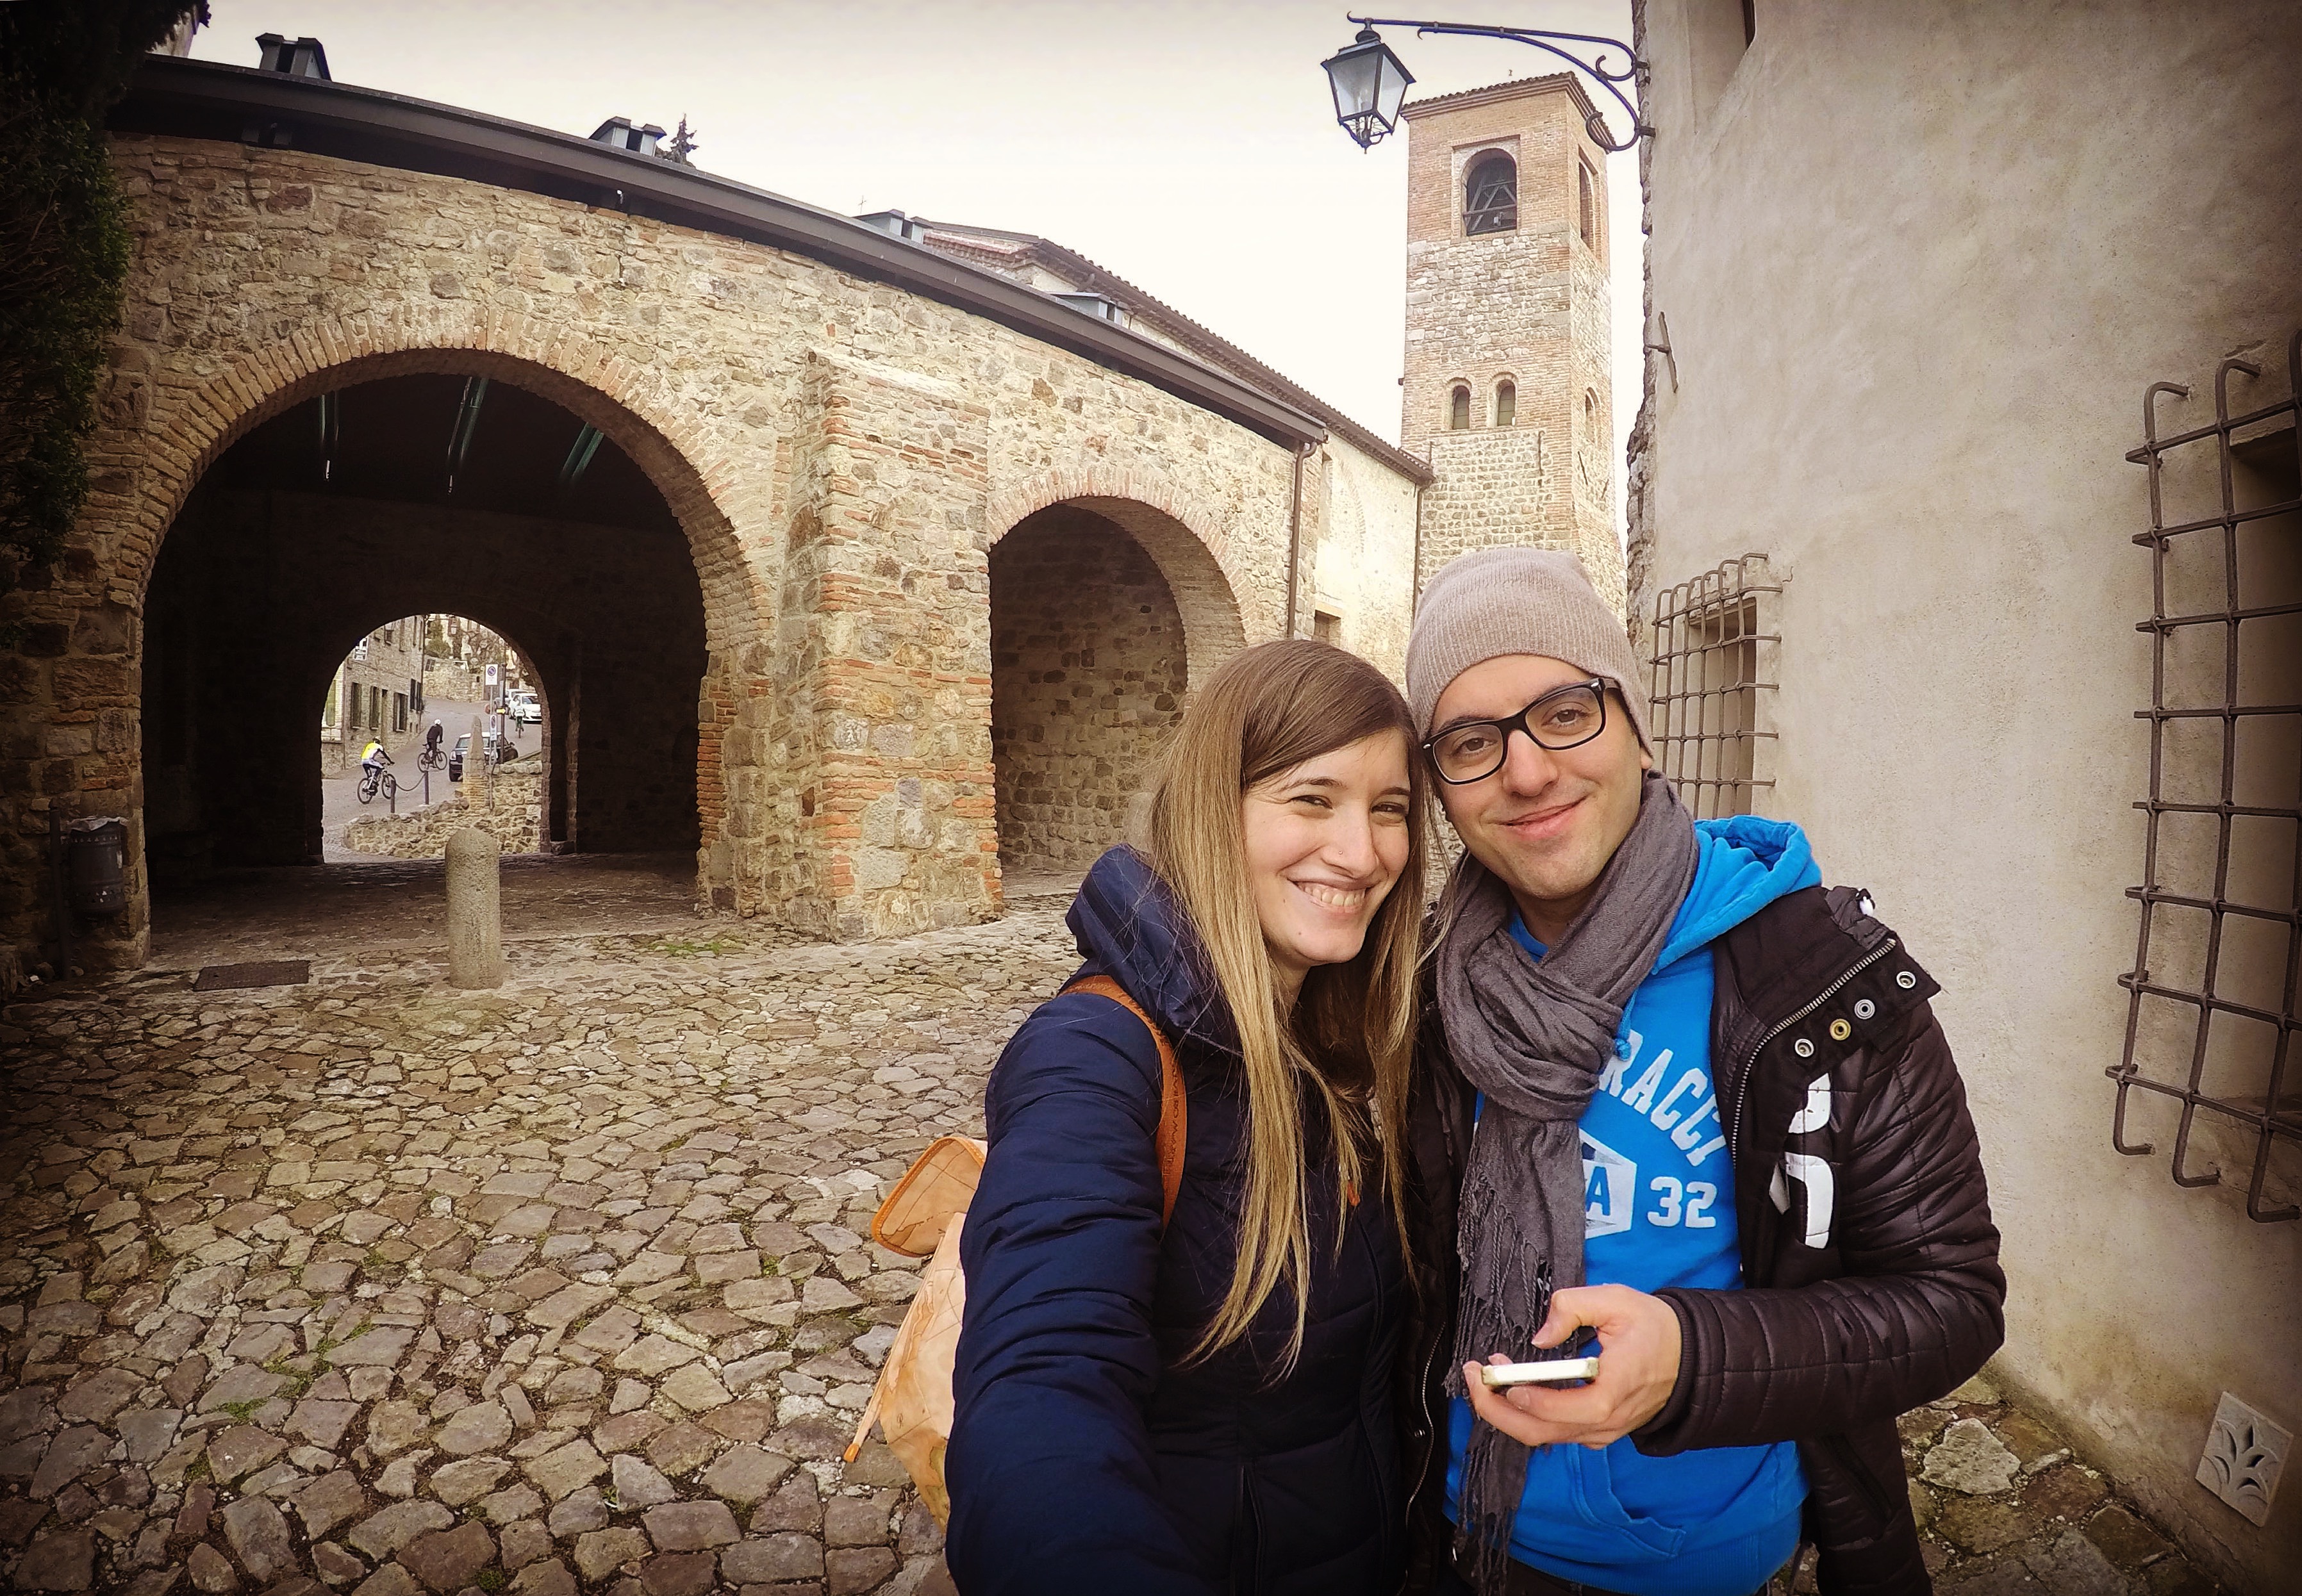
{"type": "Point", "coordinates": [1506, 402]}
{"type": "Point", "coordinates": [1490, 194]}
{"type": "Point", "coordinates": [1459, 409]}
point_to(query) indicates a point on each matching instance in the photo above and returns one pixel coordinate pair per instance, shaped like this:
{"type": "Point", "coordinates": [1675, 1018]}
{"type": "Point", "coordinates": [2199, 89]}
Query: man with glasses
{"type": "Point", "coordinates": [1679, 1096]}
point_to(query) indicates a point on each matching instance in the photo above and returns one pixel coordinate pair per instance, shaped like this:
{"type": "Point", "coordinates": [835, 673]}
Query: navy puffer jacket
{"type": "Point", "coordinates": [1082, 1458]}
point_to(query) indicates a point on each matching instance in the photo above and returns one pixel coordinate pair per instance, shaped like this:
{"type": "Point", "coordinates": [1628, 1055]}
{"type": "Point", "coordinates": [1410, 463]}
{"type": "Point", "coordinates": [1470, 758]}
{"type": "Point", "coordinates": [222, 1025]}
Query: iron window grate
{"type": "Point", "coordinates": [1717, 643]}
{"type": "Point", "coordinates": [2211, 1016]}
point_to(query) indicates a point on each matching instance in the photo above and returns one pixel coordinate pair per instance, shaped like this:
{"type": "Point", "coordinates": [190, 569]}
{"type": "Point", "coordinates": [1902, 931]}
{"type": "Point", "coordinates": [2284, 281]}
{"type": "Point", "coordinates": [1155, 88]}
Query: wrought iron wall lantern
{"type": "Point", "coordinates": [1370, 82]}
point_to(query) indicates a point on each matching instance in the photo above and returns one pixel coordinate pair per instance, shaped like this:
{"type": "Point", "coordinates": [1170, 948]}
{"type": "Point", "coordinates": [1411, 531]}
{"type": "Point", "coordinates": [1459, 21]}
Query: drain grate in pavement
{"type": "Point", "coordinates": [274, 972]}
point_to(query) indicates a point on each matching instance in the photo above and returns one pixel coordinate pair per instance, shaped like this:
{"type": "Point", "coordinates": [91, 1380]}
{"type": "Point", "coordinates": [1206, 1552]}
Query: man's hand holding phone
{"type": "Point", "coordinates": [1637, 1367]}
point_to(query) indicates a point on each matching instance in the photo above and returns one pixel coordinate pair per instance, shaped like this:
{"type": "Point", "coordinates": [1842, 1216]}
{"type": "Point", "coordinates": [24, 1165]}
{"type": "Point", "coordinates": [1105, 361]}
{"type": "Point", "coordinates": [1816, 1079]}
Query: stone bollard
{"type": "Point", "coordinates": [474, 909]}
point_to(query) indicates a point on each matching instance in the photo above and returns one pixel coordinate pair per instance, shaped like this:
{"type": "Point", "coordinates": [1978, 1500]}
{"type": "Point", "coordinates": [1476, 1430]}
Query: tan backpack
{"type": "Point", "coordinates": [923, 1216]}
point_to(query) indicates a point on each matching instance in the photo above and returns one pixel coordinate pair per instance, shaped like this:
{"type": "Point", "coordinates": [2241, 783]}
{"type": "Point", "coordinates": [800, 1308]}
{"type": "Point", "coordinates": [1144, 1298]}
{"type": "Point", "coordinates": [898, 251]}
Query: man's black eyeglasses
{"type": "Point", "coordinates": [1564, 718]}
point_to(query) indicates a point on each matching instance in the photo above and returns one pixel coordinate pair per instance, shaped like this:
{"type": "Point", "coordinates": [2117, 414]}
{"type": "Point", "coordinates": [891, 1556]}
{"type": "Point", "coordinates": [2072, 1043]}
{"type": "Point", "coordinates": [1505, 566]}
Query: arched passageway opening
{"type": "Point", "coordinates": [402, 684]}
{"type": "Point", "coordinates": [1089, 669]}
{"type": "Point", "coordinates": [413, 496]}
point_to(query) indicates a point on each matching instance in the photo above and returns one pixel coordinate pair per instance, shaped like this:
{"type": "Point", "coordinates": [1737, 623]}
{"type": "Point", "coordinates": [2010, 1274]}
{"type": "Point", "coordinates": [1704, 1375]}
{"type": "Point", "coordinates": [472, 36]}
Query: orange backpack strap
{"type": "Point", "coordinates": [1174, 1108]}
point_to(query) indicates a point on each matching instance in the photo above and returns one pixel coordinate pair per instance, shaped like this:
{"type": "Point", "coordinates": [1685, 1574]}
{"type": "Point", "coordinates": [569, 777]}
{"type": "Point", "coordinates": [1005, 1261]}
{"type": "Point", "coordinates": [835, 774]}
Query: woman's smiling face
{"type": "Point", "coordinates": [1325, 843]}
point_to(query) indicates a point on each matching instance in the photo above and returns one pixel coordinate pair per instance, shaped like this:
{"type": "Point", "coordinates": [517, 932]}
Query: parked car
{"type": "Point", "coordinates": [496, 753]}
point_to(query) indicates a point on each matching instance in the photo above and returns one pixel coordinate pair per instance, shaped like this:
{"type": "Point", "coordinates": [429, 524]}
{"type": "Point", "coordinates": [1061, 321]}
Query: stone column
{"type": "Point", "coordinates": [891, 721]}
{"type": "Point", "coordinates": [474, 909]}
{"type": "Point", "coordinates": [479, 775]}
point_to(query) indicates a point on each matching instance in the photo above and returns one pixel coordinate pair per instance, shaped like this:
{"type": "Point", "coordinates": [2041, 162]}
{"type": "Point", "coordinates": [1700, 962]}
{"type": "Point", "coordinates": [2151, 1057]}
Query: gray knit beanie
{"type": "Point", "coordinates": [1500, 601]}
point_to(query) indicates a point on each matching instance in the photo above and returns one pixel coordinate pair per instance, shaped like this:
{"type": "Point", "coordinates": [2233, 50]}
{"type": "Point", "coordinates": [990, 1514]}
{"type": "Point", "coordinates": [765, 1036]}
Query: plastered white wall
{"type": "Point", "coordinates": [1365, 558]}
{"type": "Point", "coordinates": [1918, 265]}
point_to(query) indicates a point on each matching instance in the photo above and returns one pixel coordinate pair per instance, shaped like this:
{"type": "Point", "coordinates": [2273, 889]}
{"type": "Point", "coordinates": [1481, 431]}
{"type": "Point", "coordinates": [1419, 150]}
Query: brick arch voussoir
{"type": "Point", "coordinates": [629, 405]}
{"type": "Point", "coordinates": [1185, 539]}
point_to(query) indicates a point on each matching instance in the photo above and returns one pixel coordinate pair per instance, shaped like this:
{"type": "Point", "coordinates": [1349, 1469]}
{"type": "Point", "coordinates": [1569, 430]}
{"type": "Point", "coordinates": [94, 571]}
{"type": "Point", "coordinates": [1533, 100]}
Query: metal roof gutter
{"type": "Point", "coordinates": [176, 96]}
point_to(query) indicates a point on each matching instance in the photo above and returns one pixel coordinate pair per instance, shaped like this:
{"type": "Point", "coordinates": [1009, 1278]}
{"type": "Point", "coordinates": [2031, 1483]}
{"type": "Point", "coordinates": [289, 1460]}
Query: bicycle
{"type": "Point", "coordinates": [432, 758]}
{"type": "Point", "coordinates": [374, 780]}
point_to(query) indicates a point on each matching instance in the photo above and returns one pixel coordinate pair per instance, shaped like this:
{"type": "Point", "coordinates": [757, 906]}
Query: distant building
{"type": "Point", "coordinates": [378, 692]}
{"type": "Point", "coordinates": [1508, 393]}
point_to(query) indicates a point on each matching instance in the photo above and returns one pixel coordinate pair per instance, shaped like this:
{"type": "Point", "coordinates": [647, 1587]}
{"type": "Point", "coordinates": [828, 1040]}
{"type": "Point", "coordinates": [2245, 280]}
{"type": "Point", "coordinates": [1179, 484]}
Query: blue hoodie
{"type": "Point", "coordinates": [1659, 1211]}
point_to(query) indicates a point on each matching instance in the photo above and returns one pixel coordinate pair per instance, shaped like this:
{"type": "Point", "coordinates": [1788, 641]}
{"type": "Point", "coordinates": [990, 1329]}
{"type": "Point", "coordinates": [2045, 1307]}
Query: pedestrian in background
{"type": "Point", "coordinates": [1702, 1101]}
{"type": "Point", "coordinates": [1207, 1408]}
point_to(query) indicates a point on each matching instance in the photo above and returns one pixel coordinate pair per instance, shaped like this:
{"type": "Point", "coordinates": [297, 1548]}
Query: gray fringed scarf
{"type": "Point", "coordinates": [1533, 1037]}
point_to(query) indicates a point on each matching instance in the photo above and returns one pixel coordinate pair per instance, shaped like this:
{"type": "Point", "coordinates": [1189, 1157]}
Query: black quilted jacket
{"type": "Point", "coordinates": [1869, 1263]}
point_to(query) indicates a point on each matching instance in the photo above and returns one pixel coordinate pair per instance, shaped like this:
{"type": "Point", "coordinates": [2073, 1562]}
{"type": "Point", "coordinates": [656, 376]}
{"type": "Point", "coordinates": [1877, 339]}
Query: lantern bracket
{"type": "Point", "coordinates": [1633, 73]}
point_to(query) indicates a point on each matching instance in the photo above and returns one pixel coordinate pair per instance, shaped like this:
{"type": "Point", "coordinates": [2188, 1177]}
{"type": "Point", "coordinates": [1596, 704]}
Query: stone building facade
{"type": "Point", "coordinates": [1507, 390]}
{"type": "Point", "coordinates": [458, 650]}
{"type": "Point", "coordinates": [837, 430]}
{"type": "Point", "coordinates": [1924, 282]}
{"type": "Point", "coordinates": [735, 479]}
{"type": "Point", "coordinates": [377, 691]}
{"type": "Point", "coordinates": [1350, 574]}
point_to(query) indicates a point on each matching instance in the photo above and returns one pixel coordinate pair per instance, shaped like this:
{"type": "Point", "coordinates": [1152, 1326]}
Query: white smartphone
{"type": "Point", "coordinates": [1499, 1375]}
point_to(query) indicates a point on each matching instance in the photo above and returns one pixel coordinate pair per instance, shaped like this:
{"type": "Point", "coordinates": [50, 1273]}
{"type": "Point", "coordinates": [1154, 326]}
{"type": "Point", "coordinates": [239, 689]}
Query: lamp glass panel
{"type": "Point", "coordinates": [1392, 88]}
{"type": "Point", "coordinates": [1356, 76]}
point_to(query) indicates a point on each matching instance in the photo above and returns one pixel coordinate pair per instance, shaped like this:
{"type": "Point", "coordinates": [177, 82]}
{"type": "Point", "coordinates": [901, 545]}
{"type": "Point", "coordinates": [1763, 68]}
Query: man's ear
{"type": "Point", "coordinates": [1646, 758]}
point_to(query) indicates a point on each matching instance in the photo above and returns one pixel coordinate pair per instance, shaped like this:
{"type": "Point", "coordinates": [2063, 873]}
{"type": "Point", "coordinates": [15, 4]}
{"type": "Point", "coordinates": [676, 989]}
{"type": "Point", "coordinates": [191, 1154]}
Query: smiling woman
{"type": "Point", "coordinates": [1324, 842]}
{"type": "Point", "coordinates": [1203, 1405]}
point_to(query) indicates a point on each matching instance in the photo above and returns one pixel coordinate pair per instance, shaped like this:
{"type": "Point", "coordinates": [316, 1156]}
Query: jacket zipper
{"type": "Point", "coordinates": [1734, 1128]}
{"type": "Point", "coordinates": [1422, 1396]}
{"type": "Point", "coordinates": [1430, 1425]}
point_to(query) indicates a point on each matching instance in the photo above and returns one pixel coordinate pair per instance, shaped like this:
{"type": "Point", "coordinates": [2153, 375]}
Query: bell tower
{"type": "Point", "coordinates": [1507, 392]}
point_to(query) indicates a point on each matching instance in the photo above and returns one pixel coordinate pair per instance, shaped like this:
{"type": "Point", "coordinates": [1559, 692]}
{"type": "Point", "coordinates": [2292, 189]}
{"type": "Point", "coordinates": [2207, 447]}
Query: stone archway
{"type": "Point", "coordinates": [290, 548]}
{"type": "Point", "coordinates": [166, 424]}
{"type": "Point", "coordinates": [1105, 613]}
{"type": "Point", "coordinates": [529, 809]}
{"type": "Point", "coordinates": [161, 437]}
{"type": "Point", "coordinates": [1185, 540]}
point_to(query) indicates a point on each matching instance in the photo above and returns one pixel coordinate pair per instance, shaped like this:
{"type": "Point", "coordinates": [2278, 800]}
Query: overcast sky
{"type": "Point", "coordinates": [1189, 147]}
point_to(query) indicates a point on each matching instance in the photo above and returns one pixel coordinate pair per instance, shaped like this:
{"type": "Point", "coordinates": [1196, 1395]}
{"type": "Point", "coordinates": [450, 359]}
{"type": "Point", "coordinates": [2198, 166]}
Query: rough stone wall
{"type": "Point", "coordinates": [730, 373]}
{"type": "Point", "coordinates": [1529, 305]}
{"type": "Point", "coordinates": [1492, 486]}
{"type": "Point", "coordinates": [510, 809]}
{"type": "Point", "coordinates": [887, 691]}
{"type": "Point", "coordinates": [446, 679]}
{"type": "Point", "coordinates": [1088, 678]}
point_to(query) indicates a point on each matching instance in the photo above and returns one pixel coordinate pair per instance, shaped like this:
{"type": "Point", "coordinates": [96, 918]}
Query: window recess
{"type": "Point", "coordinates": [1718, 644]}
{"type": "Point", "coordinates": [2211, 1012]}
{"type": "Point", "coordinates": [1491, 195]}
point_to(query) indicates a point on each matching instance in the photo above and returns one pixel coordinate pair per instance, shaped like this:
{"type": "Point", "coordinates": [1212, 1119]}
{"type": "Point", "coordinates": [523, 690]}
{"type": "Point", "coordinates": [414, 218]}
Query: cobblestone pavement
{"type": "Point", "coordinates": [374, 1286]}
{"type": "Point", "coordinates": [356, 916]}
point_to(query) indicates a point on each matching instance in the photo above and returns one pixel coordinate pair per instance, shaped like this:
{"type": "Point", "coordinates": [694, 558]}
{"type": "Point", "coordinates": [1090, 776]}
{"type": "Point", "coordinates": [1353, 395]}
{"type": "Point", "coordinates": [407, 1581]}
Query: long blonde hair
{"type": "Point", "coordinates": [1350, 1038]}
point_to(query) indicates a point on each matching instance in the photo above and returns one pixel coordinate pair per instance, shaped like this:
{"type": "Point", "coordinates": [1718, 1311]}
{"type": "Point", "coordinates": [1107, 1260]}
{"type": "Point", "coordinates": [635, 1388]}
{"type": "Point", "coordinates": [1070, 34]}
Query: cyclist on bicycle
{"type": "Point", "coordinates": [373, 758]}
{"type": "Point", "coordinates": [432, 736]}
